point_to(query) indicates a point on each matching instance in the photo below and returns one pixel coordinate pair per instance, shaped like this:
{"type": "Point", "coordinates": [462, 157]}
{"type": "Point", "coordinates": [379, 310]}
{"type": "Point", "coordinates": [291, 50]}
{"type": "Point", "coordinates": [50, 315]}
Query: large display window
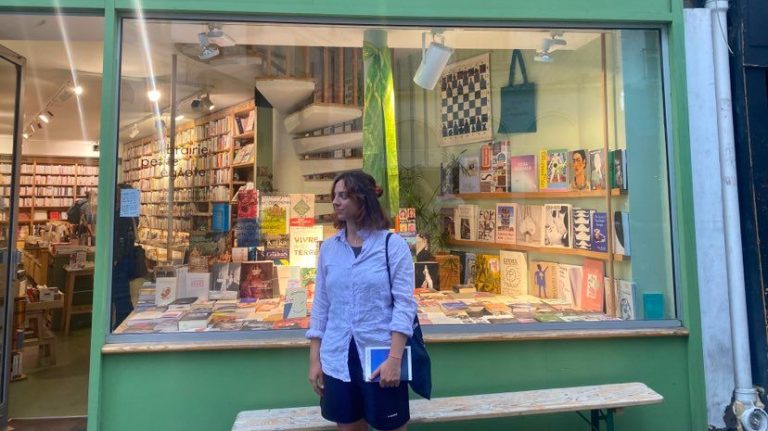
{"type": "Point", "coordinates": [527, 168]}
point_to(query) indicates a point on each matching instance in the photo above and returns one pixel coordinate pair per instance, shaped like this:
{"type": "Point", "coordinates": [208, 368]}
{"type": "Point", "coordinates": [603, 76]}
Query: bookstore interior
{"type": "Point", "coordinates": [515, 152]}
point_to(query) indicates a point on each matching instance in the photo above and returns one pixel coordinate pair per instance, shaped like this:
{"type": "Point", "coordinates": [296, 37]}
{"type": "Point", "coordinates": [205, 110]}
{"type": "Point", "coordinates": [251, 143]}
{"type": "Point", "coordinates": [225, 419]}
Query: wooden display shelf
{"type": "Point", "coordinates": [536, 195]}
{"type": "Point", "coordinates": [243, 165]}
{"type": "Point", "coordinates": [548, 250]}
{"type": "Point", "coordinates": [244, 135]}
{"type": "Point", "coordinates": [222, 150]}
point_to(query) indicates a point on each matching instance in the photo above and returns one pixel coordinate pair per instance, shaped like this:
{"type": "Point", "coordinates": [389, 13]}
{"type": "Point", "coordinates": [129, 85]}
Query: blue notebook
{"type": "Point", "coordinates": [375, 356]}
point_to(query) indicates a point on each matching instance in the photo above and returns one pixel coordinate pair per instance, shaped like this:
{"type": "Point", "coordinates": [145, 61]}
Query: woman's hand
{"type": "Point", "coordinates": [388, 373]}
{"type": "Point", "coordinates": [316, 376]}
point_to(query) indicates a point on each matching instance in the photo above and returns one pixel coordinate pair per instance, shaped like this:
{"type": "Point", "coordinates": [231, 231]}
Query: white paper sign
{"type": "Point", "coordinates": [130, 202]}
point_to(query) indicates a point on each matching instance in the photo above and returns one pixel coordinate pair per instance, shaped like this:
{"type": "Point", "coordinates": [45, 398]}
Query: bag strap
{"type": "Point", "coordinates": [386, 253]}
{"type": "Point", "coordinates": [517, 58]}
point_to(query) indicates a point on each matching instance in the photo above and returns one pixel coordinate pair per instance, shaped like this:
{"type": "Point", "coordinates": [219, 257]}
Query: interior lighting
{"type": "Point", "coordinates": [78, 90]}
{"type": "Point", "coordinates": [433, 61]}
{"type": "Point", "coordinates": [44, 118]}
{"type": "Point", "coordinates": [153, 95]}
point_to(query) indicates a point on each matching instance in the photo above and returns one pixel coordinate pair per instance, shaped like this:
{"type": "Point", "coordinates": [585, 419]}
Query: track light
{"type": "Point", "coordinates": [78, 90]}
{"type": "Point", "coordinates": [44, 118]}
{"type": "Point", "coordinates": [543, 57]}
{"type": "Point", "coordinates": [555, 41]}
{"type": "Point", "coordinates": [153, 95]}
{"type": "Point", "coordinates": [433, 61]}
{"type": "Point", "coordinates": [134, 131]}
{"type": "Point", "coordinates": [208, 50]}
{"type": "Point", "coordinates": [216, 35]}
{"type": "Point", "coordinates": [202, 103]}
{"type": "Point", "coordinates": [25, 135]}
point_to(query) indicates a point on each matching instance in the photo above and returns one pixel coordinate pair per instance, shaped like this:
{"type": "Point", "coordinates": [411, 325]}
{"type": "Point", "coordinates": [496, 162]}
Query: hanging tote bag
{"type": "Point", "coordinates": [518, 101]}
{"type": "Point", "coordinates": [421, 377]}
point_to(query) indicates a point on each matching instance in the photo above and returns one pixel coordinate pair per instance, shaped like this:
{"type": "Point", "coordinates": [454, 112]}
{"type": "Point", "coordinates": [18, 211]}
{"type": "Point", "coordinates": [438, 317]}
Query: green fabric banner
{"type": "Point", "coordinates": [379, 133]}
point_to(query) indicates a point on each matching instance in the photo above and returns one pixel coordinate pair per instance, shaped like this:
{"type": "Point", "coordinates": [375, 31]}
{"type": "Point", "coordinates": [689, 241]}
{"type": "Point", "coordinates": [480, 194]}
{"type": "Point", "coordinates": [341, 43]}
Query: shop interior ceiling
{"type": "Point", "coordinates": [229, 78]}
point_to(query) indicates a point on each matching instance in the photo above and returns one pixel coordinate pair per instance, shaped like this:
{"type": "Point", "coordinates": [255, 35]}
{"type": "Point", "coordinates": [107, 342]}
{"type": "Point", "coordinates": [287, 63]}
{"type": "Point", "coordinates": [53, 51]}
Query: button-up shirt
{"type": "Point", "coordinates": [353, 298]}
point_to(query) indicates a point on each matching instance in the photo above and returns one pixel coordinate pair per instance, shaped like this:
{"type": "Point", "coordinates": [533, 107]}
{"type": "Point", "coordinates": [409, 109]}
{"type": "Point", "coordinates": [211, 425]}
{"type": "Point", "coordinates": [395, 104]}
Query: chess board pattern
{"type": "Point", "coordinates": [465, 101]}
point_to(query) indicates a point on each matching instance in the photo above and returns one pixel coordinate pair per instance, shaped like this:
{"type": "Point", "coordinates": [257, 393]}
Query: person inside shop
{"type": "Point", "coordinates": [353, 308]}
{"type": "Point", "coordinates": [82, 218]}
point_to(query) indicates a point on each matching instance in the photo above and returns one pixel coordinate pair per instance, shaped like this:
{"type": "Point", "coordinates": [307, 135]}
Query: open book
{"type": "Point", "coordinates": [375, 356]}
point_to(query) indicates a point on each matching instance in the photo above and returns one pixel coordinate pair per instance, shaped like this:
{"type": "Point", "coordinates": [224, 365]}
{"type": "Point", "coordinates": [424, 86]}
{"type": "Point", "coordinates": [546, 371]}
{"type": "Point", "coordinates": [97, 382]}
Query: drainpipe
{"type": "Point", "coordinates": [746, 404]}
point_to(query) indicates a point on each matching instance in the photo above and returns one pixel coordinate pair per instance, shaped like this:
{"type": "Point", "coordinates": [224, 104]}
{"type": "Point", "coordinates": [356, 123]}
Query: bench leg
{"type": "Point", "coordinates": [597, 415]}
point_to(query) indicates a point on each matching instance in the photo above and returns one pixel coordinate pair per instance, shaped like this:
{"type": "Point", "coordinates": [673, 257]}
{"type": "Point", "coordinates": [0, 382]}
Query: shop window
{"type": "Point", "coordinates": [542, 200]}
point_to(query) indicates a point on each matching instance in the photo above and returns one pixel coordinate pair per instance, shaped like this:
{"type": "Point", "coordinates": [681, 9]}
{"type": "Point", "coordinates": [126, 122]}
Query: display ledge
{"type": "Point", "coordinates": [160, 343]}
{"type": "Point", "coordinates": [551, 250]}
{"type": "Point", "coordinates": [536, 195]}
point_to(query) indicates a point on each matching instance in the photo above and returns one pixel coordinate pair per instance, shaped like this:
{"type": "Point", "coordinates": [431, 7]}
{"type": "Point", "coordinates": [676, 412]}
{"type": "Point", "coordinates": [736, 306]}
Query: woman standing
{"type": "Point", "coordinates": [354, 308]}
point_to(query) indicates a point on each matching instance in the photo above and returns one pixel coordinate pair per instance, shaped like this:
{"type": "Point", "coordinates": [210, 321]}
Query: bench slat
{"type": "Point", "coordinates": [469, 407]}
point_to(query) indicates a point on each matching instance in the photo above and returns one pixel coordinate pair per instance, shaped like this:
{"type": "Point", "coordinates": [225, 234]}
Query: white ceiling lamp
{"type": "Point", "coordinates": [208, 50]}
{"type": "Point", "coordinates": [78, 90]}
{"type": "Point", "coordinates": [216, 35]}
{"type": "Point", "coordinates": [554, 42]}
{"type": "Point", "coordinates": [25, 135]}
{"type": "Point", "coordinates": [44, 118]}
{"type": "Point", "coordinates": [433, 61]}
{"type": "Point", "coordinates": [153, 95]}
{"type": "Point", "coordinates": [202, 103]}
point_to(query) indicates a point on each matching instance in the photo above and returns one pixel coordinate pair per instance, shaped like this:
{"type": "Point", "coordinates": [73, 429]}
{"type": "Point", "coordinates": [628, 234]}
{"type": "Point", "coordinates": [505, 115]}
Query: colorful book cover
{"type": "Point", "coordinates": [466, 222]}
{"type": "Point", "coordinates": [463, 266]}
{"type": "Point", "coordinates": [405, 223]}
{"type": "Point", "coordinates": [542, 279]}
{"type": "Point", "coordinates": [582, 228]}
{"type": "Point", "coordinates": [598, 169]}
{"type": "Point", "coordinates": [487, 183]}
{"type": "Point", "coordinates": [304, 245]}
{"type": "Point", "coordinates": [220, 217]}
{"type": "Point", "coordinates": [247, 232]}
{"type": "Point", "coordinates": [522, 174]}
{"type": "Point", "coordinates": [449, 271]}
{"type": "Point", "coordinates": [506, 223]}
{"type": "Point", "coordinates": [286, 274]}
{"type": "Point", "coordinates": [247, 204]}
{"type": "Point", "coordinates": [592, 286]}
{"type": "Point", "coordinates": [487, 274]}
{"type": "Point", "coordinates": [557, 225]}
{"type": "Point", "coordinates": [427, 275]}
{"type": "Point", "coordinates": [530, 227]}
{"type": "Point", "coordinates": [569, 284]}
{"type": "Point", "coordinates": [618, 161]}
{"type": "Point", "coordinates": [501, 167]}
{"type": "Point", "coordinates": [307, 278]}
{"type": "Point", "coordinates": [277, 247]}
{"type": "Point", "coordinates": [207, 248]}
{"type": "Point", "coordinates": [553, 170]}
{"type": "Point", "coordinates": [375, 356]}
{"type": "Point", "coordinates": [295, 305]}
{"type": "Point", "coordinates": [621, 243]}
{"type": "Point", "coordinates": [449, 179]}
{"type": "Point", "coordinates": [165, 290]}
{"type": "Point", "coordinates": [273, 213]}
{"type": "Point", "coordinates": [599, 226]}
{"type": "Point", "coordinates": [486, 225]}
{"type": "Point", "coordinates": [514, 273]}
{"type": "Point", "coordinates": [448, 222]}
{"type": "Point", "coordinates": [302, 209]}
{"type": "Point", "coordinates": [579, 170]}
{"type": "Point", "coordinates": [257, 280]}
{"type": "Point", "coordinates": [469, 174]}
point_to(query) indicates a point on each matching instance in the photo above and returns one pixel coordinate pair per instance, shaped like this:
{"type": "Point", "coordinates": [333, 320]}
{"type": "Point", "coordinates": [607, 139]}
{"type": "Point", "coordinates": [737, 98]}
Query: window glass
{"type": "Point", "coordinates": [516, 154]}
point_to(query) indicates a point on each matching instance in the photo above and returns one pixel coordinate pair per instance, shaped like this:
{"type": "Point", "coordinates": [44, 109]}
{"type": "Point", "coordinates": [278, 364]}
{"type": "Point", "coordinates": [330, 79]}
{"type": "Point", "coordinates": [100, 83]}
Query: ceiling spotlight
{"type": "Point", "coordinates": [202, 103]}
{"type": "Point", "coordinates": [208, 50]}
{"type": "Point", "coordinates": [32, 128]}
{"type": "Point", "coordinates": [153, 95]}
{"type": "Point", "coordinates": [78, 90]}
{"type": "Point", "coordinates": [134, 131]}
{"type": "Point", "coordinates": [543, 56]}
{"type": "Point", "coordinates": [39, 126]}
{"type": "Point", "coordinates": [44, 118]}
{"type": "Point", "coordinates": [433, 61]}
{"type": "Point", "coordinates": [25, 135]}
{"type": "Point", "coordinates": [179, 117]}
{"type": "Point", "coordinates": [216, 35]}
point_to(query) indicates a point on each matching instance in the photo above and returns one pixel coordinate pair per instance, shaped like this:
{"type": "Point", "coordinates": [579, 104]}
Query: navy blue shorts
{"type": "Point", "coordinates": [347, 402]}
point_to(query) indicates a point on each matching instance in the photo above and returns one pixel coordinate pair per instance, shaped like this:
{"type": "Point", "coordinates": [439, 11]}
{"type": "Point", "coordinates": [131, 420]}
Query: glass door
{"type": "Point", "coordinates": [11, 85]}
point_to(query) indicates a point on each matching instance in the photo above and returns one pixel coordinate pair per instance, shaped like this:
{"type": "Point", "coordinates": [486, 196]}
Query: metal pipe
{"type": "Point", "coordinates": [745, 394]}
{"type": "Point", "coordinates": [171, 162]}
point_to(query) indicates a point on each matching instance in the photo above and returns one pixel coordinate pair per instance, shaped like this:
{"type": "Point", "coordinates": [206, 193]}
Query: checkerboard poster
{"type": "Point", "coordinates": [465, 101]}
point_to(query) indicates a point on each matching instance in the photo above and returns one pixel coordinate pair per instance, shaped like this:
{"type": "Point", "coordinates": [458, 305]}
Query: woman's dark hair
{"type": "Point", "coordinates": [362, 189]}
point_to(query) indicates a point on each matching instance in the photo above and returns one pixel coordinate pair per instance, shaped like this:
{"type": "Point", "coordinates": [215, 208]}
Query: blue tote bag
{"type": "Point", "coordinates": [518, 101]}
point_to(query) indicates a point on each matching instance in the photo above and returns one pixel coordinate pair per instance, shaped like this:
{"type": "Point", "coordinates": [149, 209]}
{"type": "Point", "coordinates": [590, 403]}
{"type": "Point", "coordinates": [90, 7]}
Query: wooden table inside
{"type": "Point", "coordinates": [69, 290]}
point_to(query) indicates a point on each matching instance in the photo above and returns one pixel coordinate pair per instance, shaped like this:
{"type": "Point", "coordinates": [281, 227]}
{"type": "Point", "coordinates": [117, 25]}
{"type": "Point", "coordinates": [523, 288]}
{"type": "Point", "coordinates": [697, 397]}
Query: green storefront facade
{"type": "Point", "coordinates": [202, 384]}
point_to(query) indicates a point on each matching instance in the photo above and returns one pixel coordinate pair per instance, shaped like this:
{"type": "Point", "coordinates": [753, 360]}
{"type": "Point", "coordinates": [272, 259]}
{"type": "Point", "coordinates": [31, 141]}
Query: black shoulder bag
{"type": "Point", "coordinates": [421, 378]}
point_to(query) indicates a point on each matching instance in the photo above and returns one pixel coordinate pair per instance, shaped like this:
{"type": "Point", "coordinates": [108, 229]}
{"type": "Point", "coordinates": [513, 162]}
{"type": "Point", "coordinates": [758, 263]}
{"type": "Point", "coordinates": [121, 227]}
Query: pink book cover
{"type": "Point", "coordinates": [592, 285]}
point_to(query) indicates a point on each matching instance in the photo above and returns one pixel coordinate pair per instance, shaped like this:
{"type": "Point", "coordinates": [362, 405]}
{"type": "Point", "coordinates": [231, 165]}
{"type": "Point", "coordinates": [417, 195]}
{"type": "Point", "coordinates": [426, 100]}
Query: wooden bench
{"type": "Point", "coordinates": [602, 401]}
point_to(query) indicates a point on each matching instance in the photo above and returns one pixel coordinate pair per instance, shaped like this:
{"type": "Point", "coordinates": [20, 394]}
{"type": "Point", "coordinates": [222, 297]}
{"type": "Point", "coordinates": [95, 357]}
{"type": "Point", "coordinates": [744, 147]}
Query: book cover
{"type": "Point", "coordinates": [592, 286]}
{"type": "Point", "coordinates": [247, 232]}
{"type": "Point", "coordinates": [486, 225]}
{"type": "Point", "coordinates": [427, 275]}
{"type": "Point", "coordinates": [627, 299]}
{"type": "Point", "coordinates": [599, 238]}
{"type": "Point", "coordinates": [247, 204]}
{"type": "Point", "coordinates": [506, 223]}
{"type": "Point", "coordinates": [582, 231]}
{"type": "Point", "coordinates": [198, 284]}
{"type": "Point", "coordinates": [182, 303]}
{"type": "Point", "coordinates": [553, 174]}
{"type": "Point", "coordinates": [522, 174]}
{"type": "Point", "coordinates": [653, 306]}
{"type": "Point", "coordinates": [487, 182]}
{"type": "Point", "coordinates": [501, 167]}
{"type": "Point", "coordinates": [621, 243]}
{"type": "Point", "coordinates": [611, 295]}
{"type": "Point", "coordinates": [557, 225]}
{"type": "Point", "coordinates": [449, 271]}
{"type": "Point", "coordinates": [449, 179]}
{"type": "Point", "coordinates": [304, 245]}
{"type": "Point", "coordinates": [619, 169]}
{"type": "Point", "coordinates": [469, 174]}
{"type": "Point", "coordinates": [273, 211]}
{"type": "Point", "coordinates": [466, 222]}
{"type": "Point", "coordinates": [277, 247]}
{"type": "Point", "coordinates": [194, 320]}
{"type": "Point", "coordinates": [598, 168]}
{"type": "Point", "coordinates": [569, 284]}
{"type": "Point", "coordinates": [165, 290]}
{"type": "Point", "coordinates": [220, 217]}
{"type": "Point", "coordinates": [487, 274]}
{"type": "Point", "coordinates": [375, 356]}
{"type": "Point", "coordinates": [530, 228]}
{"type": "Point", "coordinates": [579, 170]}
{"type": "Point", "coordinates": [226, 280]}
{"type": "Point", "coordinates": [466, 260]}
{"type": "Point", "coordinates": [295, 305]}
{"type": "Point", "coordinates": [307, 278]}
{"type": "Point", "coordinates": [302, 207]}
{"type": "Point", "coordinates": [448, 222]}
{"type": "Point", "coordinates": [207, 248]}
{"type": "Point", "coordinates": [405, 223]}
{"type": "Point", "coordinates": [257, 280]}
{"type": "Point", "coordinates": [543, 279]}
{"type": "Point", "coordinates": [514, 273]}
{"type": "Point", "coordinates": [287, 274]}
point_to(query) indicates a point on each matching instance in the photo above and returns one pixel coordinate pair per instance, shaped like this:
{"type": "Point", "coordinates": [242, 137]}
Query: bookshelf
{"type": "Point", "coordinates": [536, 195]}
{"type": "Point", "coordinates": [548, 250]}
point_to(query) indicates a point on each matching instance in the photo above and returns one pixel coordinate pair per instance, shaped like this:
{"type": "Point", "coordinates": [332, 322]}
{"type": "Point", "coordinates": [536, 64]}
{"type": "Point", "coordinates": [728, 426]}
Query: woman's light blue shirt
{"type": "Point", "coordinates": [352, 298]}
